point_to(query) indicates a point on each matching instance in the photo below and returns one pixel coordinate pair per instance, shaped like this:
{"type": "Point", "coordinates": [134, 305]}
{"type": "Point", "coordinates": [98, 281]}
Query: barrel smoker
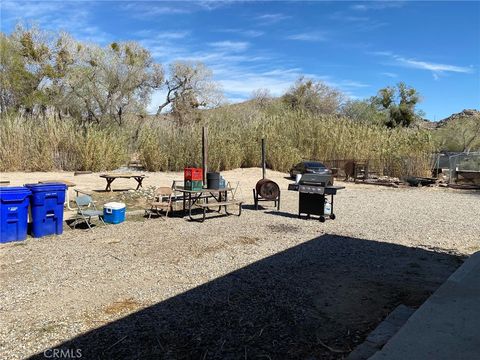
{"type": "Point", "coordinates": [265, 189]}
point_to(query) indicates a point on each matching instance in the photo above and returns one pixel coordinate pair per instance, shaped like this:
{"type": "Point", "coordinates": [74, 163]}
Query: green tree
{"type": "Point", "coordinates": [109, 82]}
{"type": "Point", "coordinates": [313, 96]}
{"type": "Point", "coordinates": [363, 111]}
{"type": "Point", "coordinates": [25, 69]}
{"type": "Point", "coordinates": [399, 104]}
{"type": "Point", "coordinates": [49, 72]}
{"type": "Point", "coordinates": [460, 135]}
{"type": "Point", "coordinates": [14, 77]}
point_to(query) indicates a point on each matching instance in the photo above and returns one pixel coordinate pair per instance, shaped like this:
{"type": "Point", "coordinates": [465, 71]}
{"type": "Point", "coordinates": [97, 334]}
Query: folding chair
{"type": "Point", "coordinates": [86, 210]}
{"type": "Point", "coordinates": [176, 196]}
{"type": "Point", "coordinates": [161, 201]}
{"type": "Point", "coordinates": [234, 189]}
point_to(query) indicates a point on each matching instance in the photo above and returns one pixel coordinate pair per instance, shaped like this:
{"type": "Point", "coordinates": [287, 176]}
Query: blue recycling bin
{"type": "Point", "coordinates": [47, 202]}
{"type": "Point", "coordinates": [14, 203]}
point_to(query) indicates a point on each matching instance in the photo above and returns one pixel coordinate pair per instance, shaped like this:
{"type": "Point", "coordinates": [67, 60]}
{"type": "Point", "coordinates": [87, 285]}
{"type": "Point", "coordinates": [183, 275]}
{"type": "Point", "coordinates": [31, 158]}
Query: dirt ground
{"type": "Point", "coordinates": [263, 285]}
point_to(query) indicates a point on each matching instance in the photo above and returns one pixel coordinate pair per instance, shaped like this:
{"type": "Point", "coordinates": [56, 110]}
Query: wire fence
{"type": "Point", "coordinates": [400, 167]}
{"type": "Point", "coordinates": [464, 168]}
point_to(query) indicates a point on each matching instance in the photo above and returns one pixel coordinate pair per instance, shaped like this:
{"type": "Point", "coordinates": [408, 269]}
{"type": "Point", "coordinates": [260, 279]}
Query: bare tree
{"type": "Point", "coordinates": [261, 97]}
{"type": "Point", "coordinates": [190, 86]}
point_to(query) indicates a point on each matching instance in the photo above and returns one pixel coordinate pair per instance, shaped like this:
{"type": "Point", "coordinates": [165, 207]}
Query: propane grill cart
{"type": "Point", "coordinates": [312, 198]}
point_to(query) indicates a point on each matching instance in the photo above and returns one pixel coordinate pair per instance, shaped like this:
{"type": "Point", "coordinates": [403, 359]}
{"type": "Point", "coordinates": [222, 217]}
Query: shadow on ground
{"type": "Point", "coordinates": [330, 291]}
{"type": "Point", "coordinates": [282, 213]}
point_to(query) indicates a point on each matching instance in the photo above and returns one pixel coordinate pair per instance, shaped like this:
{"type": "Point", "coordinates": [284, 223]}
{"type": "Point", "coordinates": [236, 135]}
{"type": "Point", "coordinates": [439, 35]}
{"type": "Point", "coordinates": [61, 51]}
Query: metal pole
{"type": "Point", "coordinates": [263, 159]}
{"type": "Point", "coordinates": [204, 153]}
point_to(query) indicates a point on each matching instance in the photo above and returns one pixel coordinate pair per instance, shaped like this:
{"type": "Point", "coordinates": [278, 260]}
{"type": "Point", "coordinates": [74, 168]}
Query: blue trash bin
{"type": "Point", "coordinates": [47, 201]}
{"type": "Point", "coordinates": [14, 203]}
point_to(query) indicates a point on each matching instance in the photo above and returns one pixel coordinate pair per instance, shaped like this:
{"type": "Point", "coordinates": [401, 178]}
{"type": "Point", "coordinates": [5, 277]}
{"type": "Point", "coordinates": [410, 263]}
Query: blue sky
{"type": "Point", "coordinates": [358, 47]}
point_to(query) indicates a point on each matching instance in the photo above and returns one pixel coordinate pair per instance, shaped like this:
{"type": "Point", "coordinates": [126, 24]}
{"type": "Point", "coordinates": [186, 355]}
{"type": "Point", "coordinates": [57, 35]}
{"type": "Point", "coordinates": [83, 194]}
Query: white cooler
{"type": "Point", "coordinates": [114, 212]}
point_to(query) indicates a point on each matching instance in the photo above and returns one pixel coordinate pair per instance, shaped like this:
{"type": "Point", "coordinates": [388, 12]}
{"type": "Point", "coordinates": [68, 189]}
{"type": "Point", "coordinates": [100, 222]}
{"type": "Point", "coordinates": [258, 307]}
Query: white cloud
{"type": "Point", "coordinates": [345, 16]}
{"type": "Point", "coordinates": [73, 17]}
{"type": "Point", "coordinates": [243, 32]}
{"type": "Point", "coordinates": [231, 46]}
{"type": "Point", "coordinates": [377, 5]}
{"type": "Point", "coordinates": [267, 19]}
{"type": "Point", "coordinates": [148, 9]}
{"type": "Point", "coordinates": [240, 72]}
{"type": "Point", "coordinates": [151, 9]}
{"type": "Point", "coordinates": [436, 68]}
{"type": "Point", "coordinates": [171, 34]}
{"type": "Point", "coordinates": [237, 71]}
{"type": "Point", "coordinates": [357, 23]}
{"type": "Point", "coordinates": [308, 36]}
{"type": "Point", "coordinates": [382, 53]}
{"type": "Point", "coordinates": [26, 9]}
{"type": "Point", "coordinates": [240, 84]}
{"type": "Point", "coordinates": [164, 50]}
{"type": "Point", "coordinates": [389, 74]}
{"type": "Point", "coordinates": [237, 65]}
{"type": "Point", "coordinates": [349, 84]}
{"type": "Point", "coordinates": [214, 4]}
{"type": "Point", "coordinates": [161, 37]}
{"type": "Point", "coordinates": [361, 7]}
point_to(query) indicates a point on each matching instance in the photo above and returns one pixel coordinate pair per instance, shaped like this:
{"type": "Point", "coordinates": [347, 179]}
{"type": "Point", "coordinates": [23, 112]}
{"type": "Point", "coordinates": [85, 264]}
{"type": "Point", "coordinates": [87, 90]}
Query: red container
{"type": "Point", "coordinates": [193, 174]}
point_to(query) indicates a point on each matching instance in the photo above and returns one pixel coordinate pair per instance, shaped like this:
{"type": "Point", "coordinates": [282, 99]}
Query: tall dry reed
{"type": "Point", "coordinates": [234, 141]}
{"type": "Point", "coordinates": [291, 136]}
{"type": "Point", "coordinates": [43, 145]}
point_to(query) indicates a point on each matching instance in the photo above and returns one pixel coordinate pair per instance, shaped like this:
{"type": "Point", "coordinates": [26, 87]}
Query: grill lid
{"type": "Point", "coordinates": [311, 189]}
{"type": "Point", "coordinates": [314, 179]}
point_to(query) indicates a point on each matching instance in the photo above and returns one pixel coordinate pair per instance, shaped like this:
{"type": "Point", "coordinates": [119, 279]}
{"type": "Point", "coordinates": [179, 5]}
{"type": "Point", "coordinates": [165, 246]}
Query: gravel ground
{"type": "Point", "coordinates": [265, 284]}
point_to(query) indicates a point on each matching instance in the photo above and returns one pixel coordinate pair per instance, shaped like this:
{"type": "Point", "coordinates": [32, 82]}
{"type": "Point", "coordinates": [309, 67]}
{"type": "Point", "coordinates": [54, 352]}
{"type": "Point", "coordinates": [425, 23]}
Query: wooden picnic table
{"type": "Point", "coordinates": [112, 176]}
{"type": "Point", "coordinates": [220, 196]}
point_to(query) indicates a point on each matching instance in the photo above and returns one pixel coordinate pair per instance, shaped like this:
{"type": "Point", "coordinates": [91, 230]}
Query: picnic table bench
{"type": "Point", "coordinates": [191, 199]}
{"type": "Point", "coordinates": [112, 176]}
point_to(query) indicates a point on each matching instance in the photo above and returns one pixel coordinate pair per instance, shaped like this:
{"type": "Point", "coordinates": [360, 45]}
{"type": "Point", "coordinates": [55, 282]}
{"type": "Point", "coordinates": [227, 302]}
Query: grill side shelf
{"type": "Point", "coordinates": [293, 187]}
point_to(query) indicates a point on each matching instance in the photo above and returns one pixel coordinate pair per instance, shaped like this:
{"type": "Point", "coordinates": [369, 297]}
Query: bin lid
{"type": "Point", "coordinates": [14, 193]}
{"type": "Point", "coordinates": [213, 175]}
{"type": "Point", "coordinates": [46, 187]}
{"type": "Point", "coordinates": [13, 189]}
{"type": "Point", "coordinates": [114, 205]}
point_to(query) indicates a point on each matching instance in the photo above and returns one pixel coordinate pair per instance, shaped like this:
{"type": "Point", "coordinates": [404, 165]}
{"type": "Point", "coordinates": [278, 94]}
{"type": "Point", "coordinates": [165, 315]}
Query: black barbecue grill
{"type": "Point", "coordinates": [312, 197]}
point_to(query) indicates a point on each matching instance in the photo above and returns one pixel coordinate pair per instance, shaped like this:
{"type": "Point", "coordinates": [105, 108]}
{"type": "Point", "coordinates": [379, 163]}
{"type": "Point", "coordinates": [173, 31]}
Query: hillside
{"type": "Point", "coordinates": [464, 115]}
{"type": "Point", "coordinates": [460, 131]}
